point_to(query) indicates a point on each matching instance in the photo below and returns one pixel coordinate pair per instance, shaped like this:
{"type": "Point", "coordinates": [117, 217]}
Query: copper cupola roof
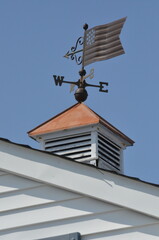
{"type": "Point", "coordinates": [76, 116]}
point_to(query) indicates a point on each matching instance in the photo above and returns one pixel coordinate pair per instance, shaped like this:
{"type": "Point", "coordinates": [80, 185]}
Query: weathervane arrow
{"type": "Point", "coordinates": [68, 54]}
{"type": "Point", "coordinates": [74, 51]}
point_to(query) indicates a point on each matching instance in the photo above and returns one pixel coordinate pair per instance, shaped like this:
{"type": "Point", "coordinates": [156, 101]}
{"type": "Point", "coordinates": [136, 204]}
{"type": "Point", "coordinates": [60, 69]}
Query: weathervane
{"type": "Point", "coordinates": [99, 43]}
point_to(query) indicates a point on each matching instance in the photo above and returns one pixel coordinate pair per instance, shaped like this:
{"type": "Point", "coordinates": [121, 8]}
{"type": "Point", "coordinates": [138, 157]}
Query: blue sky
{"type": "Point", "coordinates": [34, 36]}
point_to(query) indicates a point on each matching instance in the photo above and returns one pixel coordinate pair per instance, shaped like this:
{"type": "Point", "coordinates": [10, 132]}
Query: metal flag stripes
{"type": "Point", "coordinates": [103, 42]}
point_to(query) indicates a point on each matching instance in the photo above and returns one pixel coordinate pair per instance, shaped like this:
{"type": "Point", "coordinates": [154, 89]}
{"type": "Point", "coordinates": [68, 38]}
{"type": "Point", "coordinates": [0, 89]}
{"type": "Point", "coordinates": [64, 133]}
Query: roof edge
{"type": "Point", "coordinates": [81, 163]}
{"type": "Point", "coordinates": [51, 118]}
{"type": "Point", "coordinates": [112, 128]}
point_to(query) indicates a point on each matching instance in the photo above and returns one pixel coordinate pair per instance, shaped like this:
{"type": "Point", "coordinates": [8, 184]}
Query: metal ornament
{"type": "Point", "coordinates": [99, 43]}
{"type": "Point", "coordinates": [81, 93]}
{"type": "Point", "coordinates": [90, 75]}
{"type": "Point", "coordinates": [74, 51]}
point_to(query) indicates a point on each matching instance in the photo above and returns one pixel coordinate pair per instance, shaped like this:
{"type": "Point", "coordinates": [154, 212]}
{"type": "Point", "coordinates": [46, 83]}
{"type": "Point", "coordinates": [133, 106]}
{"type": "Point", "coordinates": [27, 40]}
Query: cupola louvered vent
{"type": "Point", "coordinates": [109, 152]}
{"type": "Point", "coordinates": [82, 135]}
{"type": "Point", "coordinates": [77, 147]}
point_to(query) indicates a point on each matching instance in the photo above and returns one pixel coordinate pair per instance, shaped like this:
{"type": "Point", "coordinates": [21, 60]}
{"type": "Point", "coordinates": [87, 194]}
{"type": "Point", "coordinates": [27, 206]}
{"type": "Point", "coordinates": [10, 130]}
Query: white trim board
{"type": "Point", "coordinates": [79, 178]}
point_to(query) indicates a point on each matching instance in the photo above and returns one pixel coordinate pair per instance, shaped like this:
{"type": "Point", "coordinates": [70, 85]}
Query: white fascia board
{"type": "Point", "coordinates": [66, 132]}
{"type": "Point", "coordinates": [114, 137]}
{"type": "Point", "coordinates": [80, 178]}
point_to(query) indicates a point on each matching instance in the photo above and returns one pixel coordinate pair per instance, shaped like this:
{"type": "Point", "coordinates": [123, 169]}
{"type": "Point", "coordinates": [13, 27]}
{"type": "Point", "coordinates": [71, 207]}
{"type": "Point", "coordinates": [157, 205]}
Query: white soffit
{"type": "Point", "coordinates": [79, 178]}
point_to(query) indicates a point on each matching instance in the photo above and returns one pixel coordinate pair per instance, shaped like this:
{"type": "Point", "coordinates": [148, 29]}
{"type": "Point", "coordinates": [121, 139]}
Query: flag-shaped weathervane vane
{"type": "Point", "coordinates": [99, 43]}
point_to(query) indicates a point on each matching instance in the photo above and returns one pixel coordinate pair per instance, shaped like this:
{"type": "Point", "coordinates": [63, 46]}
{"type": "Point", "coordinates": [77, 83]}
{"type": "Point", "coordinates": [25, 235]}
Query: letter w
{"type": "Point", "coordinates": [58, 80]}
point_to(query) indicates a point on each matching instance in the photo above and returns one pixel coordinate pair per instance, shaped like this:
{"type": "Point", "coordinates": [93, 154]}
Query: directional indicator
{"type": "Point", "coordinates": [59, 81]}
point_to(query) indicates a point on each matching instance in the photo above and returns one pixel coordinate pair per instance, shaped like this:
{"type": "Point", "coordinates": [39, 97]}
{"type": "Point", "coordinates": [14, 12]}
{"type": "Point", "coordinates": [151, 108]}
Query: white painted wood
{"type": "Point", "coordinates": [71, 151]}
{"type": "Point", "coordinates": [85, 154]}
{"type": "Point", "coordinates": [86, 160]}
{"type": "Point", "coordinates": [72, 145]}
{"type": "Point", "coordinates": [80, 178]}
{"type": "Point", "coordinates": [94, 144]}
{"type": "Point", "coordinates": [65, 140]}
{"type": "Point", "coordinates": [121, 161]}
{"type": "Point", "coordinates": [10, 183]}
{"type": "Point", "coordinates": [101, 140]}
{"type": "Point", "coordinates": [55, 212]}
{"type": "Point", "coordinates": [67, 132]}
{"type": "Point", "coordinates": [147, 232]}
{"type": "Point", "coordinates": [108, 152]}
{"type": "Point", "coordinates": [116, 222]}
{"type": "Point", "coordinates": [113, 137]}
{"type": "Point", "coordinates": [92, 129]}
{"type": "Point", "coordinates": [104, 165]}
{"type": "Point", "coordinates": [112, 158]}
{"type": "Point", "coordinates": [36, 196]}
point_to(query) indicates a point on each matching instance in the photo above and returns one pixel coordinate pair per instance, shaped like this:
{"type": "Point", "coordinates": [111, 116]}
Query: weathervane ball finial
{"type": "Point", "coordinates": [81, 94]}
{"type": "Point", "coordinates": [85, 26]}
{"type": "Point", "coordinates": [82, 72]}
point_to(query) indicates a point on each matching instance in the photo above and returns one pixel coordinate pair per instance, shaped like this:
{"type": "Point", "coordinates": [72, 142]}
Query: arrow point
{"type": "Point", "coordinates": [66, 56]}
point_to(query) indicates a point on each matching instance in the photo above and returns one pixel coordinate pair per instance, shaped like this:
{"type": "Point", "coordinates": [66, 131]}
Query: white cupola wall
{"type": "Point", "coordinates": [81, 134]}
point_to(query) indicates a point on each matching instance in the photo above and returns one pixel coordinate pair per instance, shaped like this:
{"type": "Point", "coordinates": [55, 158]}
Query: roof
{"type": "Point", "coordinates": [75, 116]}
{"type": "Point", "coordinates": [80, 178]}
{"type": "Point", "coordinates": [72, 160]}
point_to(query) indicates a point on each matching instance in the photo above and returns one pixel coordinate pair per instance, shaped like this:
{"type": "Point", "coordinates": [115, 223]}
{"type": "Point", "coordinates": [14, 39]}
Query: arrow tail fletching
{"type": "Point", "coordinates": [91, 73]}
{"type": "Point", "coordinates": [72, 87]}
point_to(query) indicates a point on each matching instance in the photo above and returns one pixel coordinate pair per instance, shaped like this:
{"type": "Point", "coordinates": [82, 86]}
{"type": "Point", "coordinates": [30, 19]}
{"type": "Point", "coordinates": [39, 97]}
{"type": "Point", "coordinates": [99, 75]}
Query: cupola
{"type": "Point", "coordinates": [82, 135]}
